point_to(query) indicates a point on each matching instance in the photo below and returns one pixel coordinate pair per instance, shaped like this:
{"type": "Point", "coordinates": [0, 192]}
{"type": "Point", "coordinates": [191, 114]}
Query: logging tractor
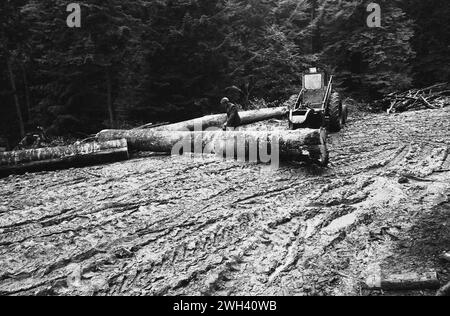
{"type": "Point", "coordinates": [318, 106]}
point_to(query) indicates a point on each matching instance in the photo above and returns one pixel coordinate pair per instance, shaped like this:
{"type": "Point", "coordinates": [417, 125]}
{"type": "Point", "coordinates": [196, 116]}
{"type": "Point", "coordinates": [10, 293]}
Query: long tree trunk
{"type": "Point", "coordinates": [16, 98]}
{"type": "Point", "coordinates": [315, 33]}
{"type": "Point", "coordinates": [203, 123]}
{"type": "Point", "coordinates": [401, 282]}
{"type": "Point", "coordinates": [27, 90]}
{"type": "Point", "coordinates": [289, 144]}
{"type": "Point", "coordinates": [109, 98]}
{"type": "Point", "coordinates": [54, 158]}
{"type": "Point", "coordinates": [246, 94]}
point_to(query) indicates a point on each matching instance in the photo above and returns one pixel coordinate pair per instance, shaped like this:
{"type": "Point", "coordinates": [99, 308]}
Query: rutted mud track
{"type": "Point", "coordinates": [183, 225]}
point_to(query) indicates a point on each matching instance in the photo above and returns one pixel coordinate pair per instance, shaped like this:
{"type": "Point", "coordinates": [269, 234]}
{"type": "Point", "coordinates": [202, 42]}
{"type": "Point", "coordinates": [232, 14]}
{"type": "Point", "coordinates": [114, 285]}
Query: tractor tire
{"type": "Point", "coordinates": [335, 110]}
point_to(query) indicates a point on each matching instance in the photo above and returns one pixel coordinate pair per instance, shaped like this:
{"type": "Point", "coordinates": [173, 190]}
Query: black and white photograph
{"type": "Point", "coordinates": [224, 154]}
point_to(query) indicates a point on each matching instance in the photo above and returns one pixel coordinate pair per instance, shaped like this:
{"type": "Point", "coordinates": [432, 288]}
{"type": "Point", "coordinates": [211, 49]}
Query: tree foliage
{"type": "Point", "coordinates": [167, 60]}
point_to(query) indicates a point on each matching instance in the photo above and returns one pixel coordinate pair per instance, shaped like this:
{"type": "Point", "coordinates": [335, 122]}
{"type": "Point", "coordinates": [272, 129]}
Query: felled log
{"type": "Point", "coordinates": [55, 158]}
{"type": "Point", "coordinates": [401, 282]}
{"type": "Point", "coordinates": [152, 125]}
{"type": "Point", "coordinates": [203, 123]}
{"type": "Point", "coordinates": [291, 145]}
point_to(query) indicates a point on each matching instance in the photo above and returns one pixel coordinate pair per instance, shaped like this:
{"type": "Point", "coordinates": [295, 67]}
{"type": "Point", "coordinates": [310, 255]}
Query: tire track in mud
{"type": "Point", "coordinates": [199, 225]}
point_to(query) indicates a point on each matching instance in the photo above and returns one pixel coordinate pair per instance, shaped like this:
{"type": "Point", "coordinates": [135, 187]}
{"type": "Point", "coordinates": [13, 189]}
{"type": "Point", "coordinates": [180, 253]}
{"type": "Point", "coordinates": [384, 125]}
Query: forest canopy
{"type": "Point", "coordinates": [138, 61]}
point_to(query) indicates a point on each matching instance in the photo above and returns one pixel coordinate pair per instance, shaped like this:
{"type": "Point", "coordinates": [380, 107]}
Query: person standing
{"type": "Point", "coordinates": [233, 118]}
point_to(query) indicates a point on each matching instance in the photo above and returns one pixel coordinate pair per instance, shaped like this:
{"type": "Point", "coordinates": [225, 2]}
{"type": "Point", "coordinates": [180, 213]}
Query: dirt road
{"type": "Point", "coordinates": [184, 225]}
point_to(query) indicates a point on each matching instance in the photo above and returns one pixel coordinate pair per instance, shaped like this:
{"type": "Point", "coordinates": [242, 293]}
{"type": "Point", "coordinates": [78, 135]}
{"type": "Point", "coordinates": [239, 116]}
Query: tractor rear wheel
{"type": "Point", "coordinates": [335, 110]}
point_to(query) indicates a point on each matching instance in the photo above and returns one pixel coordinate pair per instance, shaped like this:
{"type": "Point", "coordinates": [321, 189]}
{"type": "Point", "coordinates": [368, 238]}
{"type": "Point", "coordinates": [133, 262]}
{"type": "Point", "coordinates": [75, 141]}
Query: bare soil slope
{"type": "Point", "coordinates": [199, 225]}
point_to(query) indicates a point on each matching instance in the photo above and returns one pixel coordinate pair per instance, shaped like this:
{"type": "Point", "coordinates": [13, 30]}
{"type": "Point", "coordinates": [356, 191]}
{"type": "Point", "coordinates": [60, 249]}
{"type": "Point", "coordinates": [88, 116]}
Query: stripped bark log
{"type": "Point", "coordinates": [406, 281]}
{"type": "Point", "coordinates": [54, 158]}
{"type": "Point", "coordinates": [290, 144]}
{"type": "Point", "coordinates": [200, 124]}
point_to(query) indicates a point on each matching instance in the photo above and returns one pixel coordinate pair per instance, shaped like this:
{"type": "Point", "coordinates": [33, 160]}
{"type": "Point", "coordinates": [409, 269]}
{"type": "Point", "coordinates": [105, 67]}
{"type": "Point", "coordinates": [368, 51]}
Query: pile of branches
{"type": "Point", "coordinates": [433, 97]}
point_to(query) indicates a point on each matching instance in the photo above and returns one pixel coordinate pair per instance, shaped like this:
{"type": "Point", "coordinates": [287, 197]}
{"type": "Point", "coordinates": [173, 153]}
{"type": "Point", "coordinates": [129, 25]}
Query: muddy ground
{"type": "Point", "coordinates": [202, 226]}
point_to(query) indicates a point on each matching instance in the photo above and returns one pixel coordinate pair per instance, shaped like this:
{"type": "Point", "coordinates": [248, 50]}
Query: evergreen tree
{"type": "Point", "coordinates": [168, 60]}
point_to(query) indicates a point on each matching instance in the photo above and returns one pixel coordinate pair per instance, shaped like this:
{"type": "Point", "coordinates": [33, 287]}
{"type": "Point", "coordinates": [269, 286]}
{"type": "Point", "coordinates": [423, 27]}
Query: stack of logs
{"type": "Point", "coordinates": [191, 136]}
{"type": "Point", "coordinates": [433, 97]}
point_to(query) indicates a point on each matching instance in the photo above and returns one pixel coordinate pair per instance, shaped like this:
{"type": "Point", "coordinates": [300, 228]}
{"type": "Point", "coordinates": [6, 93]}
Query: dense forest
{"type": "Point", "coordinates": [136, 61]}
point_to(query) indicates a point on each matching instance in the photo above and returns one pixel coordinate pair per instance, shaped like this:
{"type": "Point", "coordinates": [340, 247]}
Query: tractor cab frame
{"type": "Point", "coordinates": [317, 105]}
